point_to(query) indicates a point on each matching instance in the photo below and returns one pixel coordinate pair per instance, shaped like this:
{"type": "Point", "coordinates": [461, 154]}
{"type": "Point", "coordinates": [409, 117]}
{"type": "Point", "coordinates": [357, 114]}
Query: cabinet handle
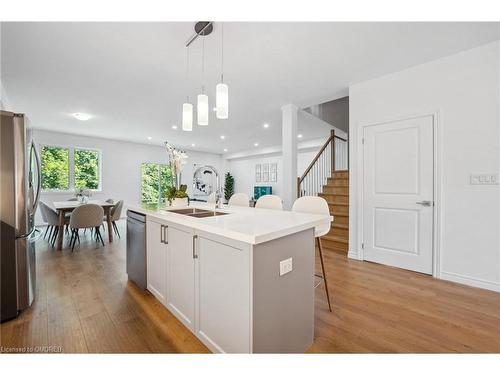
{"type": "Point", "coordinates": [165, 234]}
{"type": "Point", "coordinates": [161, 234]}
{"type": "Point", "coordinates": [195, 256]}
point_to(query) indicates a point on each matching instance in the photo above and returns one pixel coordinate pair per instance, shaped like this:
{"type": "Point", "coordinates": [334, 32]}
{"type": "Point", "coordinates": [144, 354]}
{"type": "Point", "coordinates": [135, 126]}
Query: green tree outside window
{"type": "Point", "coordinates": [86, 169]}
{"type": "Point", "coordinates": [155, 179]}
{"type": "Point", "coordinates": [55, 168]}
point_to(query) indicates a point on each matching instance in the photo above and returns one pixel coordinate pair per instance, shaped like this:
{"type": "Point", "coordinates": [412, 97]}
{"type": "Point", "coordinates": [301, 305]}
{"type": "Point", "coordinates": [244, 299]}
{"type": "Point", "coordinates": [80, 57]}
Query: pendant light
{"type": "Point", "coordinates": [202, 107]}
{"type": "Point", "coordinates": [187, 107]}
{"type": "Point", "coordinates": [221, 90]}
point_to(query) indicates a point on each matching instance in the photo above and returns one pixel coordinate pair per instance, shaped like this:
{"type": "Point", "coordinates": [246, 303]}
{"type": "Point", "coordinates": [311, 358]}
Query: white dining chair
{"type": "Point", "coordinates": [318, 206]}
{"type": "Point", "coordinates": [86, 216]}
{"type": "Point", "coordinates": [271, 202]}
{"type": "Point", "coordinates": [239, 199]}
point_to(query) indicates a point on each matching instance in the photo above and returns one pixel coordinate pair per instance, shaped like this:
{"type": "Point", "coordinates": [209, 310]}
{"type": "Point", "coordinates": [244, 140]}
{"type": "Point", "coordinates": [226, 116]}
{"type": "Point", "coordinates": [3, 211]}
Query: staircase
{"type": "Point", "coordinates": [328, 177]}
{"type": "Point", "coordinates": [336, 193]}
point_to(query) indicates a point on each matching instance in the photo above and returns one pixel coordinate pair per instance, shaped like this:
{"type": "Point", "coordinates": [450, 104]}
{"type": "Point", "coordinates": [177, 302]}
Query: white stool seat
{"type": "Point", "coordinates": [239, 199]}
{"type": "Point", "coordinates": [271, 202]}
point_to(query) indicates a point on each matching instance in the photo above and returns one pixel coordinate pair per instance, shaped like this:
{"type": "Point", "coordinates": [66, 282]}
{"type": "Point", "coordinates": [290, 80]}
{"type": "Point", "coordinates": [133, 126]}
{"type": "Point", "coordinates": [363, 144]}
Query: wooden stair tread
{"type": "Point", "coordinates": [343, 215]}
{"type": "Point", "coordinates": [337, 225]}
{"type": "Point", "coordinates": [341, 194]}
{"type": "Point", "coordinates": [338, 204]}
{"type": "Point", "coordinates": [335, 238]}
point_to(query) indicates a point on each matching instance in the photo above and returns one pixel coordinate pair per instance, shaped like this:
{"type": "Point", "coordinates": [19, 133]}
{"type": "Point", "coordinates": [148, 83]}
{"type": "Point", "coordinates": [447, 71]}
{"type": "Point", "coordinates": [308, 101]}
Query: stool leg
{"type": "Point", "coordinates": [324, 273]}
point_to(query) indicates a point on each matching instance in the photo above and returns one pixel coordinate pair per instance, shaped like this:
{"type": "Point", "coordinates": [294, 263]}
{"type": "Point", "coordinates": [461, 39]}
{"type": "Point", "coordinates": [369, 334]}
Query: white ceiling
{"type": "Point", "coordinates": [131, 76]}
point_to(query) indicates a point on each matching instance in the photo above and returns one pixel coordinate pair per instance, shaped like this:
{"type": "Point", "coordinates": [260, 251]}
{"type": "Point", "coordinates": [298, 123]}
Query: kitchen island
{"type": "Point", "coordinates": [241, 279]}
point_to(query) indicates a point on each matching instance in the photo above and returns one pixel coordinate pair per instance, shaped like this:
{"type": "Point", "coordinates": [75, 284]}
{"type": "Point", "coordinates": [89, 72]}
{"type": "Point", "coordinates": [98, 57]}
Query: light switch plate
{"type": "Point", "coordinates": [484, 179]}
{"type": "Point", "coordinates": [286, 266]}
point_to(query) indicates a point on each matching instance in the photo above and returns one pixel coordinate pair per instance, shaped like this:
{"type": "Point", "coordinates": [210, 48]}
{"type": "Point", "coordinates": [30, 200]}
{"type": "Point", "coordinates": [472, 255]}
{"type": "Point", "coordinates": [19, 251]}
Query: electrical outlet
{"type": "Point", "coordinates": [484, 179]}
{"type": "Point", "coordinates": [286, 266]}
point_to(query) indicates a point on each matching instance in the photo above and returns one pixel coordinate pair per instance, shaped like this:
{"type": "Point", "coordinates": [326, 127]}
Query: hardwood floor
{"type": "Point", "coordinates": [85, 304]}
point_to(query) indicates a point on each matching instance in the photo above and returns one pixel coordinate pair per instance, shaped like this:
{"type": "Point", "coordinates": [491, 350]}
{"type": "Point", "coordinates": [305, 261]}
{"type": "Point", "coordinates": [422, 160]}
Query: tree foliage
{"type": "Point", "coordinates": [155, 182]}
{"type": "Point", "coordinates": [55, 168]}
{"type": "Point", "coordinates": [86, 169]}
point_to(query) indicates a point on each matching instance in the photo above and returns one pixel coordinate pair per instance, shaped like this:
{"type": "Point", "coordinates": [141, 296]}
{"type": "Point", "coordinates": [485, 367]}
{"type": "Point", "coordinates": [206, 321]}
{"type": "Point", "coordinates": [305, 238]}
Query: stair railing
{"type": "Point", "coordinates": [333, 156]}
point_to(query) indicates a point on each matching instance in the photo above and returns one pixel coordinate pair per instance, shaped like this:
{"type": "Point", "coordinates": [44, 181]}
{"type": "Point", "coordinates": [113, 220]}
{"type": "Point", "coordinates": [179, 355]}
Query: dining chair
{"type": "Point", "coordinates": [271, 202]}
{"type": "Point", "coordinates": [52, 219]}
{"type": "Point", "coordinates": [239, 199]}
{"type": "Point", "coordinates": [86, 216]}
{"type": "Point", "coordinates": [44, 218]}
{"type": "Point", "coordinates": [116, 213]}
{"type": "Point", "coordinates": [318, 206]}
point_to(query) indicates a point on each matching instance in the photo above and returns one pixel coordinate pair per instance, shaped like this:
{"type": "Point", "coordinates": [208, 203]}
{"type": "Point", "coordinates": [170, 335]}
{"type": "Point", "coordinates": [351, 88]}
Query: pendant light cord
{"type": "Point", "coordinates": [203, 65]}
{"type": "Point", "coordinates": [187, 72]}
{"type": "Point", "coordinates": [222, 53]}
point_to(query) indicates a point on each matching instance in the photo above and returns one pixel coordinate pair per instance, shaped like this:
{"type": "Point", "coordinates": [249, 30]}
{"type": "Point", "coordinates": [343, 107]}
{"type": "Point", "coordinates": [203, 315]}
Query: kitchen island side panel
{"type": "Point", "coordinates": [283, 306]}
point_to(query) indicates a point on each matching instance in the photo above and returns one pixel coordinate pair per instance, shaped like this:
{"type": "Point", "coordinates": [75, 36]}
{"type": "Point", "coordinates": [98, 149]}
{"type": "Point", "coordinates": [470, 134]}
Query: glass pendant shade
{"type": "Point", "coordinates": [187, 117]}
{"type": "Point", "coordinates": [202, 109]}
{"type": "Point", "coordinates": [222, 101]}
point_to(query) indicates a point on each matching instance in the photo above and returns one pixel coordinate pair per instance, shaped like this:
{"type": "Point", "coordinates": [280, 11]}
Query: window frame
{"type": "Point", "coordinates": [71, 167]}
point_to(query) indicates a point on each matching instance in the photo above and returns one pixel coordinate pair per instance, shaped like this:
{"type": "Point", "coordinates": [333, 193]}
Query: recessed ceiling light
{"type": "Point", "coordinates": [193, 145]}
{"type": "Point", "coordinates": [256, 144]}
{"type": "Point", "coordinates": [150, 138]}
{"type": "Point", "coordinates": [214, 109]}
{"type": "Point", "coordinates": [82, 116]}
{"type": "Point", "coordinates": [266, 125]}
{"type": "Point", "coordinates": [225, 150]}
{"type": "Point", "coordinates": [174, 127]}
{"type": "Point", "coordinates": [299, 136]}
{"type": "Point", "coordinates": [222, 137]}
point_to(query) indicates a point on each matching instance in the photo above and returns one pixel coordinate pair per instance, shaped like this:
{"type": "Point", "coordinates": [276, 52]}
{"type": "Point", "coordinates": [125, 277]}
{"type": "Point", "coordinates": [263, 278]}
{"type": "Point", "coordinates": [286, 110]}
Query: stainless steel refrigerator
{"type": "Point", "coordinates": [19, 190]}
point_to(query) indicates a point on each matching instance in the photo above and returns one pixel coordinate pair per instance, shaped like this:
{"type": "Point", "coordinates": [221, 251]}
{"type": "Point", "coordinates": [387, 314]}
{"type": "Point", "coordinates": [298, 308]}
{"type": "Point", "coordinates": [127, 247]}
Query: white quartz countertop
{"type": "Point", "coordinates": [246, 224]}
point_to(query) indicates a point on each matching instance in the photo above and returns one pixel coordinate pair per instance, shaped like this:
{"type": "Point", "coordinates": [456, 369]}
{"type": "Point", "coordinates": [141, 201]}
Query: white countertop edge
{"type": "Point", "coordinates": [197, 224]}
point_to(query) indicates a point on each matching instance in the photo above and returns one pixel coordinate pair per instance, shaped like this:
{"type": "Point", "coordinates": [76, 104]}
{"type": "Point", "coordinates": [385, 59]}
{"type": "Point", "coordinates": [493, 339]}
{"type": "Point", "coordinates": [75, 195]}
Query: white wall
{"type": "Point", "coordinates": [243, 170]}
{"type": "Point", "coordinates": [464, 90]}
{"type": "Point", "coordinates": [121, 164]}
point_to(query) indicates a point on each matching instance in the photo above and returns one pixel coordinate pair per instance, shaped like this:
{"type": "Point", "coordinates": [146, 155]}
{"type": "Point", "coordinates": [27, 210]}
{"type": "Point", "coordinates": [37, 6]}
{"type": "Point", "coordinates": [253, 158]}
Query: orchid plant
{"type": "Point", "coordinates": [176, 160]}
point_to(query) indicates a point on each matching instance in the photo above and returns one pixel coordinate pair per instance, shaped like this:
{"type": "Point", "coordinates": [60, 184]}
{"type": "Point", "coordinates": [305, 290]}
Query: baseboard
{"type": "Point", "coordinates": [352, 254]}
{"type": "Point", "coordinates": [471, 281]}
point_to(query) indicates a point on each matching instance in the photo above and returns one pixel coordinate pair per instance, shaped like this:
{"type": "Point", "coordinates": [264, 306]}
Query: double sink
{"type": "Point", "coordinates": [197, 212]}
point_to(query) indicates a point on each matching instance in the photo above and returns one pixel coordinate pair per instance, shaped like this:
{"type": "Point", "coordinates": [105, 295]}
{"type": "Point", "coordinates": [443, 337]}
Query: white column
{"type": "Point", "coordinates": [289, 145]}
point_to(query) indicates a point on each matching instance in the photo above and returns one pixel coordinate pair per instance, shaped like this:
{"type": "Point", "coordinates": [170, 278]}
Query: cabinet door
{"type": "Point", "coordinates": [223, 296]}
{"type": "Point", "coordinates": [180, 271]}
{"type": "Point", "coordinates": [156, 261]}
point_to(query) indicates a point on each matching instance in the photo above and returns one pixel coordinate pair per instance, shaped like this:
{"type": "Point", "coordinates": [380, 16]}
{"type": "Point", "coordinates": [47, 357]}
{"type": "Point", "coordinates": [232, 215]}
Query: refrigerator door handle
{"type": "Point", "coordinates": [26, 235]}
{"type": "Point", "coordinates": [39, 179]}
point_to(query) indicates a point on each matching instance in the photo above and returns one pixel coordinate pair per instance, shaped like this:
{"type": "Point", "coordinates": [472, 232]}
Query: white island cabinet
{"type": "Point", "coordinates": [156, 261]}
{"type": "Point", "coordinates": [223, 276]}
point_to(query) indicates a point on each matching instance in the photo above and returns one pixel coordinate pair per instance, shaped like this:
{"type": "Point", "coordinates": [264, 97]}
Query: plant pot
{"type": "Point", "coordinates": [179, 202]}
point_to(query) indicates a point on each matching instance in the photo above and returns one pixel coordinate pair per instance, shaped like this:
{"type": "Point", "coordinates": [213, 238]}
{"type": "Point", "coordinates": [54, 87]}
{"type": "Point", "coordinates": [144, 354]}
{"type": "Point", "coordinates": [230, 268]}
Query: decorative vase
{"type": "Point", "coordinates": [179, 202]}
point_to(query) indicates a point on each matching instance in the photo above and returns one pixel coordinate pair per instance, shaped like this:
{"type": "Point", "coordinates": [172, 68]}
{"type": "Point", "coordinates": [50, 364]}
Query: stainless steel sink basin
{"type": "Point", "coordinates": [197, 212]}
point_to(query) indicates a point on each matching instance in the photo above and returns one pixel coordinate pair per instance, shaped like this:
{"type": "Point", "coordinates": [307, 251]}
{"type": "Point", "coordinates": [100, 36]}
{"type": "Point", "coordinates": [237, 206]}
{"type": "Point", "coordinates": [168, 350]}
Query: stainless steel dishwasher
{"type": "Point", "coordinates": [136, 248]}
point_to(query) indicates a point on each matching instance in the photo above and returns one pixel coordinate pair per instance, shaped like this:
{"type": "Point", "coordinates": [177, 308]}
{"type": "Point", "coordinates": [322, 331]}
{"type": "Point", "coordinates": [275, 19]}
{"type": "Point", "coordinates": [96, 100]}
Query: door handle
{"type": "Point", "coordinates": [162, 234]}
{"type": "Point", "coordinates": [195, 256]}
{"type": "Point", "coordinates": [425, 203]}
{"type": "Point", "coordinates": [165, 234]}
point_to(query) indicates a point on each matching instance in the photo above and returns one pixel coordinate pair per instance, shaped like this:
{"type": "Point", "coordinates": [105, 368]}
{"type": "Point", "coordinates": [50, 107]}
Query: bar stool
{"type": "Point", "coordinates": [239, 199]}
{"type": "Point", "coordinates": [319, 206]}
{"type": "Point", "coordinates": [271, 202]}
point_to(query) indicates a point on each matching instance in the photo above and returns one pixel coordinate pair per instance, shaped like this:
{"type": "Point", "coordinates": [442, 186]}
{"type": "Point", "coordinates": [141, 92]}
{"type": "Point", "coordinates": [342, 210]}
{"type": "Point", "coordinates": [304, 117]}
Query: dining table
{"type": "Point", "coordinates": [68, 206]}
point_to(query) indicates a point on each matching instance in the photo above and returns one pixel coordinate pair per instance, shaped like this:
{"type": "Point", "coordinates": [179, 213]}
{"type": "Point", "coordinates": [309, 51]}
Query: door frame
{"type": "Point", "coordinates": [437, 183]}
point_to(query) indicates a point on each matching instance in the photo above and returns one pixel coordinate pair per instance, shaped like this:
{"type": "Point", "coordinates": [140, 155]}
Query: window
{"type": "Point", "coordinates": [86, 169]}
{"type": "Point", "coordinates": [55, 168]}
{"type": "Point", "coordinates": [155, 179]}
{"type": "Point", "coordinates": [66, 168]}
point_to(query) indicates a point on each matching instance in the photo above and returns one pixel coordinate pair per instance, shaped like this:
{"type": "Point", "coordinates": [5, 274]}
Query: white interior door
{"type": "Point", "coordinates": [398, 193]}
